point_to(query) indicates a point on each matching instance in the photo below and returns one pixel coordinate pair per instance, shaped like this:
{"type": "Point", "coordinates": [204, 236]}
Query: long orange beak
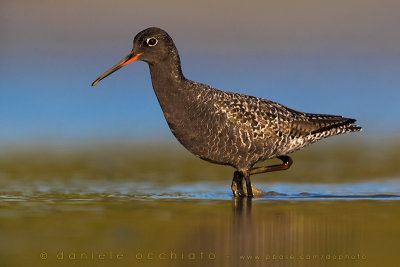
{"type": "Point", "coordinates": [125, 61]}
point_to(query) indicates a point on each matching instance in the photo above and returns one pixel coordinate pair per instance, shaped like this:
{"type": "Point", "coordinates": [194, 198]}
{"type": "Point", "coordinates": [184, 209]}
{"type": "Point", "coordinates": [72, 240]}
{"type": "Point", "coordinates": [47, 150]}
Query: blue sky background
{"type": "Point", "coordinates": [339, 58]}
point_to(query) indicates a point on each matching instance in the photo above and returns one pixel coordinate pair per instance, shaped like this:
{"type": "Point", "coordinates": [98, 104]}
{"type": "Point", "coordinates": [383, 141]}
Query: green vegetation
{"type": "Point", "coordinates": [329, 161]}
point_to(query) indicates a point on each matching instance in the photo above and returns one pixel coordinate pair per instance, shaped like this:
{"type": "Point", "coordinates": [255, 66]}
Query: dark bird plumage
{"type": "Point", "coordinates": [225, 127]}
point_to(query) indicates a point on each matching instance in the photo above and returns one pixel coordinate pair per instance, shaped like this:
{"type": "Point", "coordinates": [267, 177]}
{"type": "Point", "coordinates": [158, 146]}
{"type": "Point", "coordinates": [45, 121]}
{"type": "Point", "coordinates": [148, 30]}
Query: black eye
{"type": "Point", "coordinates": [151, 41]}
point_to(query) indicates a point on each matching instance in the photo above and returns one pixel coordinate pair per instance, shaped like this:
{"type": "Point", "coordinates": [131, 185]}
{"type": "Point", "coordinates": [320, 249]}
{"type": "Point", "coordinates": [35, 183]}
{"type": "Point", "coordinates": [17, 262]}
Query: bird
{"type": "Point", "coordinates": [225, 127]}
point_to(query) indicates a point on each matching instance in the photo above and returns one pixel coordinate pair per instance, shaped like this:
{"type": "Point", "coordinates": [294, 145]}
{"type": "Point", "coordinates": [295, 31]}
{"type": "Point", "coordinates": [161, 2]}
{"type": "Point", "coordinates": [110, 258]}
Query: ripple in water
{"type": "Point", "coordinates": [89, 190]}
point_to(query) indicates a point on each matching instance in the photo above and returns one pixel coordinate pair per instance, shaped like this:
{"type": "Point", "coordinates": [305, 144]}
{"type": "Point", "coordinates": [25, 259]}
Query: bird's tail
{"type": "Point", "coordinates": [332, 125]}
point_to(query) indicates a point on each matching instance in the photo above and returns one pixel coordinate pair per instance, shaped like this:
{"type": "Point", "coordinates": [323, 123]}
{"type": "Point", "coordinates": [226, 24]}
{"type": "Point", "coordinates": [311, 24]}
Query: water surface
{"type": "Point", "coordinates": [77, 222]}
{"type": "Point", "coordinates": [167, 209]}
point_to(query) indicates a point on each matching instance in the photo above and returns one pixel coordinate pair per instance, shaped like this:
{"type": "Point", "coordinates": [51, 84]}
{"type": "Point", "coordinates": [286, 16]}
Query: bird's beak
{"type": "Point", "coordinates": [125, 61]}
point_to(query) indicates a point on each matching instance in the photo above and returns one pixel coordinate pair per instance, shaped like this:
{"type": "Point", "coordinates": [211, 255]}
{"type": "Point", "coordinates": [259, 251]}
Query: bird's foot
{"type": "Point", "coordinates": [239, 189]}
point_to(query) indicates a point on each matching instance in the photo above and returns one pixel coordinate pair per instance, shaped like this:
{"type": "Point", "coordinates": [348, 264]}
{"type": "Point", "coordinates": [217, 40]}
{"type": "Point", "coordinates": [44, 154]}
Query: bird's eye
{"type": "Point", "coordinates": [151, 41]}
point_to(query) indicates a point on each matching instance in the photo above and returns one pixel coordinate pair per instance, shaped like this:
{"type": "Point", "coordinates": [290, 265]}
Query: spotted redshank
{"type": "Point", "coordinates": [225, 127]}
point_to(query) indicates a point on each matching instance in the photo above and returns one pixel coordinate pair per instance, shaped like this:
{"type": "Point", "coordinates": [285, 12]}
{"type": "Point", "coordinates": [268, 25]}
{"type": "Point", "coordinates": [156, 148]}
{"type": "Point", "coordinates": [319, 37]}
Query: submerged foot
{"type": "Point", "coordinates": [240, 190]}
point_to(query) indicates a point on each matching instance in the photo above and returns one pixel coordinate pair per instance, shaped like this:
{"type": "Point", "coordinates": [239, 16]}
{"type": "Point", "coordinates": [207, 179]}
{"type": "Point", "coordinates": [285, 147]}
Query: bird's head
{"type": "Point", "coordinates": [151, 45]}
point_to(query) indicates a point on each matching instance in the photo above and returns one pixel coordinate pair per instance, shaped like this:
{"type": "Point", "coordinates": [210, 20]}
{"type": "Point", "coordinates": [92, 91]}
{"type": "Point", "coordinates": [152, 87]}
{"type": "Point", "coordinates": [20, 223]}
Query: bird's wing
{"type": "Point", "coordinates": [255, 115]}
{"type": "Point", "coordinates": [260, 116]}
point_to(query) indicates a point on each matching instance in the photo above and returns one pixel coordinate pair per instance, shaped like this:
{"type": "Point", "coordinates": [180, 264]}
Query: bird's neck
{"type": "Point", "coordinates": [168, 80]}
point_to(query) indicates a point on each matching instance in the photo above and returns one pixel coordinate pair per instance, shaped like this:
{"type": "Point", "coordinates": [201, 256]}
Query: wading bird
{"type": "Point", "coordinates": [225, 127]}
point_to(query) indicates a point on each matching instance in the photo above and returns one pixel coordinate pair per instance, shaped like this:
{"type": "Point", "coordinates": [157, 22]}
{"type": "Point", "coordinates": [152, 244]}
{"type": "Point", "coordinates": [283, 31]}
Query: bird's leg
{"type": "Point", "coordinates": [248, 184]}
{"type": "Point", "coordinates": [286, 163]}
{"type": "Point", "coordinates": [237, 184]}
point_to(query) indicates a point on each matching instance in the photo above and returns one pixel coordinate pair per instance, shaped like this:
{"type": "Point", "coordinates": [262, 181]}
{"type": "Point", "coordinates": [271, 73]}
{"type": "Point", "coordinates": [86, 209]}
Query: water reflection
{"type": "Point", "coordinates": [198, 225]}
{"type": "Point", "coordinates": [242, 226]}
{"type": "Point", "coordinates": [258, 233]}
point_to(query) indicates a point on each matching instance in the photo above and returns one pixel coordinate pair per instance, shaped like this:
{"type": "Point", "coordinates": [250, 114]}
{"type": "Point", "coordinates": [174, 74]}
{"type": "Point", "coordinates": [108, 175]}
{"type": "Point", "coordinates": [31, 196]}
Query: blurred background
{"type": "Point", "coordinates": [334, 58]}
{"type": "Point", "coordinates": [330, 58]}
{"type": "Point", "coordinates": [76, 161]}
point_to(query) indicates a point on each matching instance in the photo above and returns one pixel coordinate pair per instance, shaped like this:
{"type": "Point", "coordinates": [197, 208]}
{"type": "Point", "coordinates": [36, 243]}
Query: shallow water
{"type": "Point", "coordinates": [106, 222]}
{"type": "Point", "coordinates": [101, 189]}
{"type": "Point", "coordinates": [112, 207]}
